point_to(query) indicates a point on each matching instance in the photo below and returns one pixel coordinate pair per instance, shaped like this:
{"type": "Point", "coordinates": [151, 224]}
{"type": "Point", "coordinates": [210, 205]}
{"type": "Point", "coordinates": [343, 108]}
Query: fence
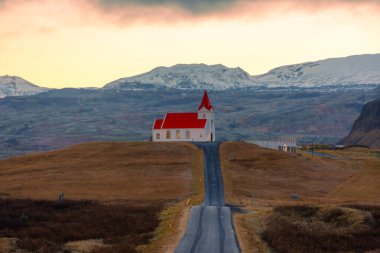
{"type": "Point", "coordinates": [285, 144]}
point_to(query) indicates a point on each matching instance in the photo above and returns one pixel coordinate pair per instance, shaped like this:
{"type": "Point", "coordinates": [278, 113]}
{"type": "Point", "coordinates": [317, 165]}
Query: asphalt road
{"type": "Point", "coordinates": [209, 229]}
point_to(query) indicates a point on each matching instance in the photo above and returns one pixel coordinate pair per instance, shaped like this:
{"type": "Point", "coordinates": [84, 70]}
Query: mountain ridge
{"type": "Point", "coordinates": [356, 71]}
{"type": "Point", "coordinates": [190, 76]}
{"type": "Point", "coordinates": [350, 70]}
{"type": "Point", "coordinates": [344, 71]}
{"type": "Point", "coordinates": [17, 86]}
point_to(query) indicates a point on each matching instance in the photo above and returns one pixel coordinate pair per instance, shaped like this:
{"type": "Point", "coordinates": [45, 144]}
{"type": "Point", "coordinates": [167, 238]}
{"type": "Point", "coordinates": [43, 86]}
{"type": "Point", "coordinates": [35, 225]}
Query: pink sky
{"type": "Point", "coordinates": [91, 42]}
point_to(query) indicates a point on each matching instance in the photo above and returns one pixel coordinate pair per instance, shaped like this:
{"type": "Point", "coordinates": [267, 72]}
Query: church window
{"type": "Point", "coordinates": [178, 134]}
{"type": "Point", "coordinates": [158, 136]}
{"type": "Point", "coordinates": [204, 115]}
{"type": "Point", "coordinates": [187, 134]}
{"type": "Point", "coordinates": [212, 121]}
{"type": "Point", "coordinates": [168, 134]}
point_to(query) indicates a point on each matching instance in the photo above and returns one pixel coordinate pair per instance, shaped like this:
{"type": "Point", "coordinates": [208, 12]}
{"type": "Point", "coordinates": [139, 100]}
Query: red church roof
{"type": "Point", "coordinates": [180, 121]}
{"type": "Point", "coordinates": [158, 123]}
{"type": "Point", "coordinates": [205, 102]}
{"type": "Point", "coordinates": [184, 120]}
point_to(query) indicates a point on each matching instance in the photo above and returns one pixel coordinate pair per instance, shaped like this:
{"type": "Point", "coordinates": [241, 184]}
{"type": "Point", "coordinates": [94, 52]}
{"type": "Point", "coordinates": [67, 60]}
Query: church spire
{"type": "Point", "coordinates": [205, 102]}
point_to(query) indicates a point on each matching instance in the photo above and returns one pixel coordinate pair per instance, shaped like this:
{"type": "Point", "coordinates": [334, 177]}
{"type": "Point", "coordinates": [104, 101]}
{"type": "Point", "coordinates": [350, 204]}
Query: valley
{"type": "Point", "coordinates": [315, 102]}
{"type": "Point", "coordinates": [59, 118]}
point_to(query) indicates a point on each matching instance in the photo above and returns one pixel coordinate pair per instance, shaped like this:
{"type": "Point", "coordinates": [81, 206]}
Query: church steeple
{"type": "Point", "coordinates": [205, 102]}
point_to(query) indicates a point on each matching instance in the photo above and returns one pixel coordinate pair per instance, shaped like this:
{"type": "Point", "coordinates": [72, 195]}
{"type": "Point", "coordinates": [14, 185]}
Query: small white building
{"type": "Point", "coordinates": [187, 126]}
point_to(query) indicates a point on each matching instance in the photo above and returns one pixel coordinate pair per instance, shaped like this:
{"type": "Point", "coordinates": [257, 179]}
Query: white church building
{"type": "Point", "coordinates": [187, 126]}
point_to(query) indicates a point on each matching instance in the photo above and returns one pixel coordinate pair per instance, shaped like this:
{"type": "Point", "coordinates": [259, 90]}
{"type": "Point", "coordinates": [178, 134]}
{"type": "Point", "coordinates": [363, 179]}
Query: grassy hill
{"type": "Point", "coordinates": [135, 186]}
{"type": "Point", "coordinates": [261, 181]}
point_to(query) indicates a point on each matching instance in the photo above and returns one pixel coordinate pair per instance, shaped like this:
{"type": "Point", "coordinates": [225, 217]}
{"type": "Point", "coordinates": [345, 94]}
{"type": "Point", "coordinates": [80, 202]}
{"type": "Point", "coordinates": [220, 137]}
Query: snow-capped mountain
{"type": "Point", "coordinates": [347, 71]}
{"type": "Point", "coordinates": [190, 76]}
{"type": "Point", "coordinates": [352, 70]}
{"type": "Point", "coordinates": [16, 86]}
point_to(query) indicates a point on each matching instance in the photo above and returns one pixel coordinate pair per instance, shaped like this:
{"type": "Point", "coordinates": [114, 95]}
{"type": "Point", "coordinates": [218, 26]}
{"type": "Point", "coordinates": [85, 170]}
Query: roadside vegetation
{"type": "Point", "coordinates": [46, 226]}
{"type": "Point", "coordinates": [336, 199]}
{"type": "Point", "coordinates": [307, 228]}
{"type": "Point", "coordinates": [152, 184]}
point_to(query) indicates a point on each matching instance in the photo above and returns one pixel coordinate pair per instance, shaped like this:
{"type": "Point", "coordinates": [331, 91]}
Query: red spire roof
{"type": "Point", "coordinates": [205, 102]}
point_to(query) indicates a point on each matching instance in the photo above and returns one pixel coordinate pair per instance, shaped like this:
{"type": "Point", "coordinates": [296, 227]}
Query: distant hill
{"type": "Point", "coordinates": [354, 70]}
{"type": "Point", "coordinates": [357, 71]}
{"type": "Point", "coordinates": [366, 129]}
{"type": "Point", "coordinates": [16, 86]}
{"type": "Point", "coordinates": [189, 76]}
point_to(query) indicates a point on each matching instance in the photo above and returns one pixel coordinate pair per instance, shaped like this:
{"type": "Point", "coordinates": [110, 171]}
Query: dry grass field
{"type": "Point", "coordinates": [136, 175]}
{"type": "Point", "coordinates": [103, 171]}
{"type": "Point", "coordinates": [259, 180]}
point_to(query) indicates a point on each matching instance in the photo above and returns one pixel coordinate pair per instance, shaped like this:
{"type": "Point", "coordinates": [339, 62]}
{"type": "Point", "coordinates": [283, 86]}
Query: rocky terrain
{"type": "Point", "coordinates": [366, 129]}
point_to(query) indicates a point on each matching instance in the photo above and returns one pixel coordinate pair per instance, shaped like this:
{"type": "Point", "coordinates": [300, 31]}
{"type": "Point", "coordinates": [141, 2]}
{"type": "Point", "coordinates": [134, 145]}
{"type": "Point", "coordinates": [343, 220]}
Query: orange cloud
{"type": "Point", "coordinates": [47, 13]}
{"type": "Point", "coordinates": [179, 11]}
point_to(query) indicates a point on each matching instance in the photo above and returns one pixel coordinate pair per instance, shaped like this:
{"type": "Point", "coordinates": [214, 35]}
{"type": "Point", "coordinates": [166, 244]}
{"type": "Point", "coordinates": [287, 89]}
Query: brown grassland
{"type": "Point", "coordinates": [163, 177]}
{"type": "Point", "coordinates": [261, 182]}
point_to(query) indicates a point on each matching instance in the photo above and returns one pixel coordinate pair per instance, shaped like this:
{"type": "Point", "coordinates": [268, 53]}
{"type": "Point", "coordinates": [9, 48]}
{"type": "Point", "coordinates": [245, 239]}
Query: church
{"type": "Point", "coordinates": [187, 126]}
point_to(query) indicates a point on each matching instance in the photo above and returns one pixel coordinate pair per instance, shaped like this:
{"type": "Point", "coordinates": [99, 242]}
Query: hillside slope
{"type": "Point", "coordinates": [16, 86]}
{"type": "Point", "coordinates": [366, 129]}
{"type": "Point", "coordinates": [104, 171]}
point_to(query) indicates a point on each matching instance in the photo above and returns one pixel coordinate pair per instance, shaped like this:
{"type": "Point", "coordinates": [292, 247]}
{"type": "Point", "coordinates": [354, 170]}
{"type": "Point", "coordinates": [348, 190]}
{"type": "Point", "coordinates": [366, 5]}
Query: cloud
{"type": "Point", "coordinates": [192, 6]}
{"type": "Point", "coordinates": [207, 6]}
{"type": "Point", "coordinates": [168, 12]}
{"type": "Point", "coordinates": [177, 11]}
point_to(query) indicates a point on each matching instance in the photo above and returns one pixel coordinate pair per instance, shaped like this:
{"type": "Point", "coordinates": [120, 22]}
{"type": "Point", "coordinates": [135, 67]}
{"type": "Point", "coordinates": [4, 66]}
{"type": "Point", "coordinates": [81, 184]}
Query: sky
{"type": "Point", "coordinates": [88, 43]}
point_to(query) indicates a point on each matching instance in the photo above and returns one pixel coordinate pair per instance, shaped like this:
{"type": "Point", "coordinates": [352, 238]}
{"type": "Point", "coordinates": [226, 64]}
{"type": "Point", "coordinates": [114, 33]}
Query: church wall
{"type": "Point", "coordinates": [198, 134]}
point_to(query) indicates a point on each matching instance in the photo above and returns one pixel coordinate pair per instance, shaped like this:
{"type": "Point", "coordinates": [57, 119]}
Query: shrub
{"type": "Point", "coordinates": [44, 226]}
{"type": "Point", "coordinates": [312, 229]}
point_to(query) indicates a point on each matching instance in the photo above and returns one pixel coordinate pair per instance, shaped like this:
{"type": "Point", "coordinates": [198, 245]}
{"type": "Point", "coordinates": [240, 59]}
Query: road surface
{"type": "Point", "coordinates": [209, 229]}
